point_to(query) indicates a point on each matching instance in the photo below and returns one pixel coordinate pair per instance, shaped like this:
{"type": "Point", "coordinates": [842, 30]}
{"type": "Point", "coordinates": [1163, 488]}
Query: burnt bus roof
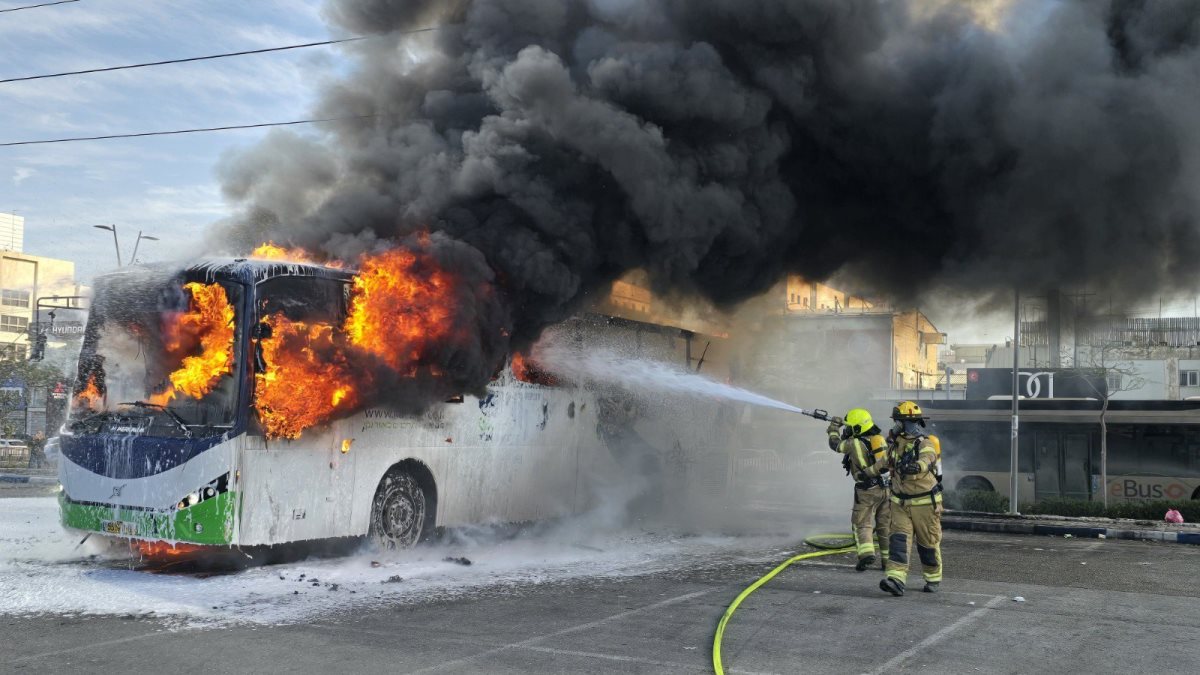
{"type": "Point", "coordinates": [253, 271]}
{"type": "Point", "coordinates": [245, 270]}
{"type": "Point", "coordinates": [1064, 411]}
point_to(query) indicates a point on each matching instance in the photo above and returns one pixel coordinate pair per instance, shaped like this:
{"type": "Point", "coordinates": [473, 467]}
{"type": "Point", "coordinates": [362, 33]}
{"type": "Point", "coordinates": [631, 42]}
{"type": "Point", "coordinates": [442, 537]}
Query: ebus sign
{"type": "Point", "coordinates": [1130, 488]}
{"type": "Point", "coordinates": [1043, 383]}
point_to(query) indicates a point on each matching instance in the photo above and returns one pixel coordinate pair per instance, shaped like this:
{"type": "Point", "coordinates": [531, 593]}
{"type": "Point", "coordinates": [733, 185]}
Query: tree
{"type": "Point", "coordinates": [1115, 376]}
{"type": "Point", "coordinates": [18, 379]}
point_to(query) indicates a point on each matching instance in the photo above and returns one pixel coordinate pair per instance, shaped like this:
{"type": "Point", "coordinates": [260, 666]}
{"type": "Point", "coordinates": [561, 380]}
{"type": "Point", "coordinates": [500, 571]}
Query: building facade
{"type": "Point", "coordinates": [12, 233]}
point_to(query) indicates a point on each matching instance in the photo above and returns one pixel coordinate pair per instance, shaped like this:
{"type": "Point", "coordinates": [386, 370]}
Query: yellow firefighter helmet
{"type": "Point", "coordinates": [908, 410]}
{"type": "Point", "coordinates": [859, 421]}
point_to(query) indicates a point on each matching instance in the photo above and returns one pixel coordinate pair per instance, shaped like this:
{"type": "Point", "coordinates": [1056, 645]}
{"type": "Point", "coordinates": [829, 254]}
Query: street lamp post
{"type": "Point", "coordinates": [140, 237]}
{"type": "Point", "coordinates": [116, 245]}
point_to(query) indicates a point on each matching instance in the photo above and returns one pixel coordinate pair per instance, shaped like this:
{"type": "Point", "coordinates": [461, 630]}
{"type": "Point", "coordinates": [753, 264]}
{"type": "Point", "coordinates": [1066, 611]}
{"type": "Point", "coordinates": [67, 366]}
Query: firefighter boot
{"type": "Point", "coordinates": [931, 587]}
{"type": "Point", "coordinates": [864, 563]}
{"type": "Point", "coordinates": [893, 586]}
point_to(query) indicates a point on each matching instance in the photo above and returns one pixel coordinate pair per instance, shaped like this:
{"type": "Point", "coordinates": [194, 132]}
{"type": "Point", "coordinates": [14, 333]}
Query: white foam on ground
{"type": "Point", "coordinates": [42, 571]}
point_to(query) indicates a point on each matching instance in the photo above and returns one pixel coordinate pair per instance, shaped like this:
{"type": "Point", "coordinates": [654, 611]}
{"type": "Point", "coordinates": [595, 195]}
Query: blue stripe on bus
{"type": "Point", "coordinates": [127, 457]}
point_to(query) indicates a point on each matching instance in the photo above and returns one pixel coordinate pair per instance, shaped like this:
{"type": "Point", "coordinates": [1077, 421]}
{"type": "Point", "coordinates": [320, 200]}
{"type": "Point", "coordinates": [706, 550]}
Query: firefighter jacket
{"type": "Point", "coordinates": [919, 487]}
{"type": "Point", "coordinates": [860, 453]}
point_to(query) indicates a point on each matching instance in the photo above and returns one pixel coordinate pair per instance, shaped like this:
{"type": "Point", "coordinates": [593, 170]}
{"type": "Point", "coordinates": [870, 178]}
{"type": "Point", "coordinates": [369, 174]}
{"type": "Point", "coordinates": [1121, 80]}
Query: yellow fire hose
{"type": "Point", "coordinates": [826, 542]}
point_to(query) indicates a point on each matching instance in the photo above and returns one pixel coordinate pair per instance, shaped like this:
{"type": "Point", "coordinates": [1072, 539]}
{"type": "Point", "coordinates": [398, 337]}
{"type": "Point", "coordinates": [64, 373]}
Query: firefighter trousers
{"type": "Point", "coordinates": [870, 519]}
{"type": "Point", "coordinates": [921, 520]}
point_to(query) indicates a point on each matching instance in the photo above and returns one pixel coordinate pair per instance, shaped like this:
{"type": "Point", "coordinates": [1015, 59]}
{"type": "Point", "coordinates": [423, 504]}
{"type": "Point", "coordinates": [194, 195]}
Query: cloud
{"type": "Point", "coordinates": [21, 173]}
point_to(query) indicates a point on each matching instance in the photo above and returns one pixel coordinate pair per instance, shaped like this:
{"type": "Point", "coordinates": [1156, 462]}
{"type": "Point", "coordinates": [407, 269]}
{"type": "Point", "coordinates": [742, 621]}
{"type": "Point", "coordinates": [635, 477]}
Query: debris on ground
{"type": "Point", "coordinates": [1068, 536]}
{"type": "Point", "coordinates": [376, 563]}
{"type": "Point", "coordinates": [1018, 599]}
{"type": "Point", "coordinates": [1102, 536]}
{"type": "Point", "coordinates": [459, 561]}
{"type": "Point", "coordinates": [972, 603]}
{"type": "Point", "coordinates": [394, 579]}
{"type": "Point", "coordinates": [333, 587]}
{"type": "Point", "coordinates": [1173, 516]}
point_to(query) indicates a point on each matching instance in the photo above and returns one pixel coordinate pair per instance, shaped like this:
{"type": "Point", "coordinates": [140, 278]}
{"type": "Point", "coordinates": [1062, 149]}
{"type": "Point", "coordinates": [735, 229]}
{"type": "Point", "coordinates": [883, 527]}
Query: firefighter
{"type": "Point", "coordinates": [861, 444]}
{"type": "Point", "coordinates": [916, 509]}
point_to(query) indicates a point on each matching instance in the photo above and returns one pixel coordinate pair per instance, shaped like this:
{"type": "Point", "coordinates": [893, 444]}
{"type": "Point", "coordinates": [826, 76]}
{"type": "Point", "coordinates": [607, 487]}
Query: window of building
{"type": "Point", "coordinates": [14, 298]}
{"type": "Point", "coordinates": [13, 352]}
{"type": "Point", "coordinates": [1189, 378]}
{"type": "Point", "coordinates": [13, 324]}
{"type": "Point", "coordinates": [1114, 382]}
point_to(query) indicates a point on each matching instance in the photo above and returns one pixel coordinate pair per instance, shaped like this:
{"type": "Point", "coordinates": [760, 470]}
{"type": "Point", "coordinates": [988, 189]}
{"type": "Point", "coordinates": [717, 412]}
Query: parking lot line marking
{"type": "Point", "coordinates": [937, 637]}
{"type": "Point", "coordinates": [557, 633]}
{"type": "Point", "coordinates": [627, 659]}
{"type": "Point", "coordinates": [79, 648]}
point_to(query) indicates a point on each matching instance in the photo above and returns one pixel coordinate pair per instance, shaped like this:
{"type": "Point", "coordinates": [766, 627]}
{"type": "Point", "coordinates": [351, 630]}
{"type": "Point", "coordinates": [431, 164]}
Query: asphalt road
{"type": "Point", "coordinates": [1091, 606]}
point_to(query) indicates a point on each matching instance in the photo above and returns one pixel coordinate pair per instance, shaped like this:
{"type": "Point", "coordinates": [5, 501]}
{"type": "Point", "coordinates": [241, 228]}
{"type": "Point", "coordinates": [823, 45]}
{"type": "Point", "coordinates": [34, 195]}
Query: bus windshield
{"type": "Point", "coordinates": [160, 355]}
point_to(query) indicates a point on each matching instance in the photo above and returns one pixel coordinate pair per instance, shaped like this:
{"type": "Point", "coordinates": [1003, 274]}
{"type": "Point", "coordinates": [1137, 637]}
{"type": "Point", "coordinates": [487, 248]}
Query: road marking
{"type": "Point", "coordinates": [80, 648]}
{"type": "Point", "coordinates": [564, 631]}
{"type": "Point", "coordinates": [937, 637]}
{"type": "Point", "coordinates": [628, 659]}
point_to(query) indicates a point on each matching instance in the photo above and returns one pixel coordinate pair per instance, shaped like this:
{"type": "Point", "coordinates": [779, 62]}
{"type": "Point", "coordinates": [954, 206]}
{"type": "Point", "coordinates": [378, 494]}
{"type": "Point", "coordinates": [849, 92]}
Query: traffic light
{"type": "Point", "coordinates": [38, 347]}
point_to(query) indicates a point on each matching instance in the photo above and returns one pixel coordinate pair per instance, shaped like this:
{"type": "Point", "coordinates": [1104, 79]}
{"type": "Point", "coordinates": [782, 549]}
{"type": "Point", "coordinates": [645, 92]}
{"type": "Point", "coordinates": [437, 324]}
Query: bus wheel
{"type": "Point", "coordinates": [975, 483]}
{"type": "Point", "coordinates": [398, 511]}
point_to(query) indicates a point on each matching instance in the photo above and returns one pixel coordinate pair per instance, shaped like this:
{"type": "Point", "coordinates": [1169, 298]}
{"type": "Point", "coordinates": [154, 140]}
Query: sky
{"type": "Point", "coordinates": [167, 186]}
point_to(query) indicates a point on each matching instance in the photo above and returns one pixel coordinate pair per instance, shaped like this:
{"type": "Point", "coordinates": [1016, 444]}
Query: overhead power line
{"type": "Point", "coordinates": [208, 57]}
{"type": "Point", "coordinates": [175, 132]}
{"type": "Point", "coordinates": [44, 4]}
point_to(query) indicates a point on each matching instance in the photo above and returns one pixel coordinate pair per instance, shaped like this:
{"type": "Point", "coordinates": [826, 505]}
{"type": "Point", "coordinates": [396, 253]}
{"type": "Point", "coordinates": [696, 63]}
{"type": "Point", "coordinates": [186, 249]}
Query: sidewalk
{"type": "Point", "coordinates": [1094, 528]}
{"type": "Point", "coordinates": [47, 476]}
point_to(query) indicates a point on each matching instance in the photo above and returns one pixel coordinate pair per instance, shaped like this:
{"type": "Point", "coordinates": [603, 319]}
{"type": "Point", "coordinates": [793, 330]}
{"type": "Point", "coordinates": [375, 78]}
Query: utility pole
{"type": "Point", "coordinates": [1016, 381]}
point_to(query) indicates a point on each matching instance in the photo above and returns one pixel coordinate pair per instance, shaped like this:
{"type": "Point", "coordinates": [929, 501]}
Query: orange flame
{"type": "Point", "coordinates": [271, 251]}
{"type": "Point", "coordinates": [401, 307]}
{"type": "Point", "coordinates": [526, 370]}
{"type": "Point", "coordinates": [396, 311]}
{"type": "Point", "coordinates": [208, 324]}
{"type": "Point", "coordinates": [90, 397]}
{"type": "Point", "coordinates": [157, 550]}
{"type": "Point", "coordinates": [307, 380]}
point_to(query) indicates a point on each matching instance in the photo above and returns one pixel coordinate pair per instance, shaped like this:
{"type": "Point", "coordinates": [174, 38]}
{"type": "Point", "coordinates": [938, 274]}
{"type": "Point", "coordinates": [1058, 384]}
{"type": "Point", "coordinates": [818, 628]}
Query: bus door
{"type": "Point", "coordinates": [1075, 471]}
{"type": "Point", "coordinates": [1061, 465]}
{"type": "Point", "coordinates": [1046, 476]}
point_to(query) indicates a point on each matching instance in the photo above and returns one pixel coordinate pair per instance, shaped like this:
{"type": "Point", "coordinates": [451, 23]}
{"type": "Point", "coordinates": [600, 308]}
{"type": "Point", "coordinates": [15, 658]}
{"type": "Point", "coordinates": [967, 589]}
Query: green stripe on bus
{"type": "Point", "coordinates": [215, 517]}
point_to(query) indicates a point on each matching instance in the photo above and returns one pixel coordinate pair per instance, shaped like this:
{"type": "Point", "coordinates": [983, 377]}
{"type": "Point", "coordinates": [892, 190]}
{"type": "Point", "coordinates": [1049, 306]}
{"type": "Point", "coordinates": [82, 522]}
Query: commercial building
{"type": "Point", "coordinates": [12, 232]}
{"type": "Point", "coordinates": [29, 283]}
{"type": "Point", "coordinates": [822, 346]}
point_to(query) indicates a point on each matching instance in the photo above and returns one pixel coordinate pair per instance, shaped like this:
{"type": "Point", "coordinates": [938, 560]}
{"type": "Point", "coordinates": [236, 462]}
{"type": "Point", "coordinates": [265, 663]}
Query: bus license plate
{"type": "Point", "coordinates": [119, 527]}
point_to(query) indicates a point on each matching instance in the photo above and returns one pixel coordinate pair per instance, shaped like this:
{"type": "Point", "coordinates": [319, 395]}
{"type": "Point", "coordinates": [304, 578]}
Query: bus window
{"type": "Point", "coordinates": [307, 299]}
{"type": "Point", "coordinates": [1122, 451]}
{"type": "Point", "coordinates": [151, 345]}
{"type": "Point", "coordinates": [1164, 452]}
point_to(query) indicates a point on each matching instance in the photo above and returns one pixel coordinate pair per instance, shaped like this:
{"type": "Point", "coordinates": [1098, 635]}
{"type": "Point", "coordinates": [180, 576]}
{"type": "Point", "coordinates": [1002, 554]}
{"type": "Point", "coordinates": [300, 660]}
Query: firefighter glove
{"type": "Point", "coordinates": [911, 469]}
{"type": "Point", "coordinates": [834, 427]}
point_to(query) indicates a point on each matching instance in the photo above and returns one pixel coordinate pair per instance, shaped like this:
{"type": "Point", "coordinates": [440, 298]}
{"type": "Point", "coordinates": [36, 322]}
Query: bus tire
{"type": "Point", "coordinates": [401, 513]}
{"type": "Point", "coordinates": [975, 483]}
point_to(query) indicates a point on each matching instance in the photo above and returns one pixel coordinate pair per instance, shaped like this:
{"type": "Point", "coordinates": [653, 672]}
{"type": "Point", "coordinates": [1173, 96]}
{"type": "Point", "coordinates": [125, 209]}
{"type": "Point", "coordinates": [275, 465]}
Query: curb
{"type": "Point", "coordinates": [1011, 527]}
{"type": "Point", "coordinates": [32, 480]}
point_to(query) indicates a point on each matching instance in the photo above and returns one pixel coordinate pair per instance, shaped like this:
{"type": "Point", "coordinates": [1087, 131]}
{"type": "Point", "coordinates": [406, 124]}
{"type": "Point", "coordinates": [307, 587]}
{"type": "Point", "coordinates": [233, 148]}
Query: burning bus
{"type": "Point", "coordinates": [215, 405]}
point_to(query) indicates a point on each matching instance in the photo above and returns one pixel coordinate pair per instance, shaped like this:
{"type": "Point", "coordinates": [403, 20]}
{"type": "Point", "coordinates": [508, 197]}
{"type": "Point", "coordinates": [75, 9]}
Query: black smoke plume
{"type": "Point", "coordinates": [719, 144]}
